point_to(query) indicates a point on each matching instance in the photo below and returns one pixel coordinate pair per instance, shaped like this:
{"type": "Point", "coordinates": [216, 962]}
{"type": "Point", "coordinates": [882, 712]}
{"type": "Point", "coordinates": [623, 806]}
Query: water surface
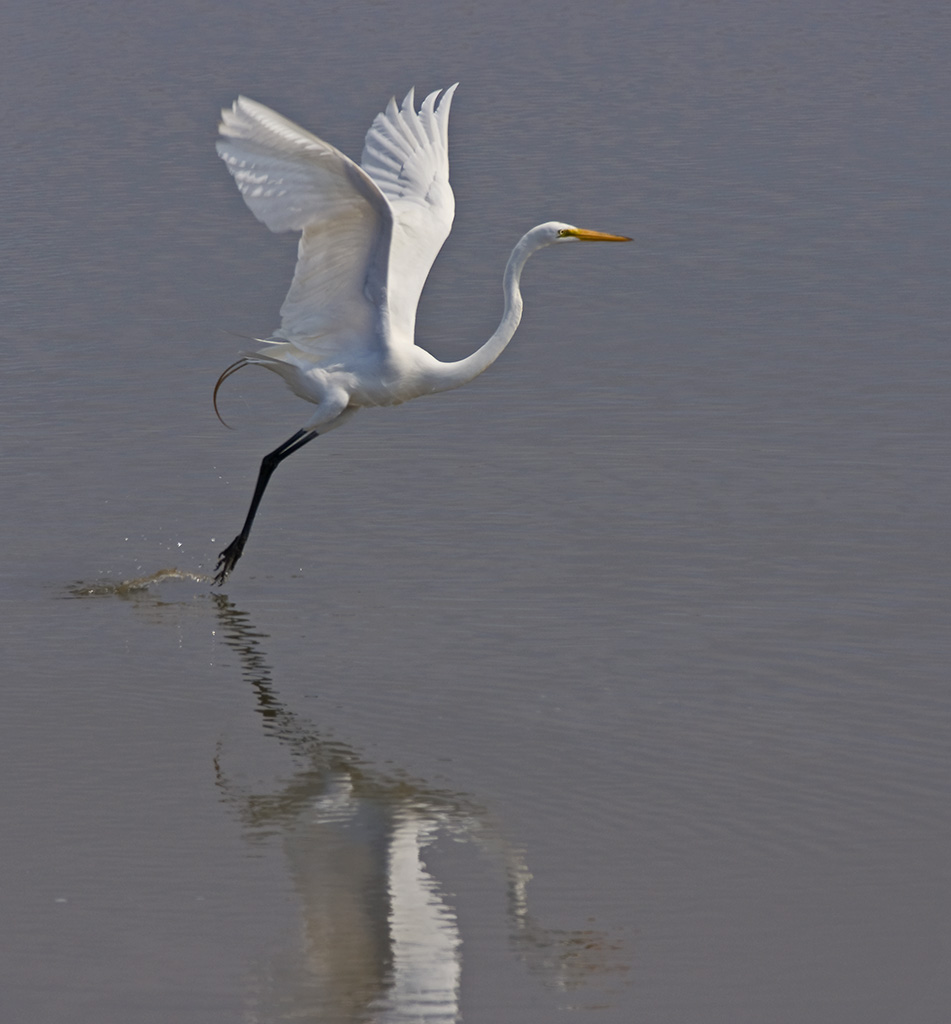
{"type": "Point", "coordinates": [612, 687]}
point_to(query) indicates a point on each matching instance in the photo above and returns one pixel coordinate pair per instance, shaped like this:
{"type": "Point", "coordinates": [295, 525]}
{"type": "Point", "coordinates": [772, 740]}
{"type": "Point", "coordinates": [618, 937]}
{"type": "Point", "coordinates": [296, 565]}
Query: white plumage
{"type": "Point", "coordinates": [369, 236]}
{"type": "Point", "coordinates": [395, 210]}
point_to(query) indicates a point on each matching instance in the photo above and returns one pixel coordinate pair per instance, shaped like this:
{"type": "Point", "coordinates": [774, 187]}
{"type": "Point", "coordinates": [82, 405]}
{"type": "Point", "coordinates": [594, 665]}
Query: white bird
{"type": "Point", "coordinates": [369, 236]}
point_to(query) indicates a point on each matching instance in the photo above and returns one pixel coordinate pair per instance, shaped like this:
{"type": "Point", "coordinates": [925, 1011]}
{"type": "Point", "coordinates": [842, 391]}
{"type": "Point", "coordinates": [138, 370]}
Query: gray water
{"type": "Point", "coordinates": [613, 687]}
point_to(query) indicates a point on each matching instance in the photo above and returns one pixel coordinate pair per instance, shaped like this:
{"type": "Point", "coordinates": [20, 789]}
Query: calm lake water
{"type": "Point", "coordinates": [612, 688]}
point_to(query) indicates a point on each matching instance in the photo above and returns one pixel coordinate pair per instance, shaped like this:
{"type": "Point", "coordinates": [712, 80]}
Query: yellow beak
{"type": "Point", "coordinates": [596, 236]}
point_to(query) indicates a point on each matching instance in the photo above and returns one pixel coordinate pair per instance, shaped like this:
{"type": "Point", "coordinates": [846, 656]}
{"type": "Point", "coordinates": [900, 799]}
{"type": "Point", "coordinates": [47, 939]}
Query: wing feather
{"type": "Point", "coordinates": [369, 233]}
{"type": "Point", "coordinates": [407, 154]}
{"type": "Point", "coordinates": [293, 181]}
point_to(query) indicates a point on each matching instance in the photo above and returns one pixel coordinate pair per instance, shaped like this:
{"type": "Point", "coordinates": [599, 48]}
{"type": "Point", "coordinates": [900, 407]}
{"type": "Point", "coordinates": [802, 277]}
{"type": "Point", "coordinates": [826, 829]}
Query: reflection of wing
{"type": "Point", "coordinates": [407, 154]}
{"type": "Point", "coordinates": [293, 181]}
{"type": "Point", "coordinates": [424, 933]}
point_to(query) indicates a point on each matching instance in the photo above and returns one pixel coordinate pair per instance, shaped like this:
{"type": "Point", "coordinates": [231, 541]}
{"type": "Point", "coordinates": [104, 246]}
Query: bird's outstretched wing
{"type": "Point", "coordinates": [407, 154]}
{"type": "Point", "coordinates": [293, 181]}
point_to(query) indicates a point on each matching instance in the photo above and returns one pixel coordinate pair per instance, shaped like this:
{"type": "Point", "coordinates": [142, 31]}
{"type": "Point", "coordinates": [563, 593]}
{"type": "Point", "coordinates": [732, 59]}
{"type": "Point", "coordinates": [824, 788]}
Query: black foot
{"type": "Point", "coordinates": [228, 559]}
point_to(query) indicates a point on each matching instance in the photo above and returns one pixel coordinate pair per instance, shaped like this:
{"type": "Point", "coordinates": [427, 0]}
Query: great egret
{"type": "Point", "coordinates": [369, 235]}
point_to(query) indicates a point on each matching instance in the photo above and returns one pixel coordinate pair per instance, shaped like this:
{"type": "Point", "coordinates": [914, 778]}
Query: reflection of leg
{"type": "Point", "coordinates": [229, 557]}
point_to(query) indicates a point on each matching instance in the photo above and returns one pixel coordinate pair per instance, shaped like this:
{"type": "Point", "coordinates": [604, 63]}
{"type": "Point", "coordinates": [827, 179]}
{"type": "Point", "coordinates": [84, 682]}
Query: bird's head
{"type": "Point", "coordinates": [555, 232]}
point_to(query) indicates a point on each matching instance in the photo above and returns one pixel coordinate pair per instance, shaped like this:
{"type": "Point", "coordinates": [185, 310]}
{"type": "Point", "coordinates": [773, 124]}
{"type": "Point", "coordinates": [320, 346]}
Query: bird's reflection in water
{"type": "Point", "coordinates": [380, 940]}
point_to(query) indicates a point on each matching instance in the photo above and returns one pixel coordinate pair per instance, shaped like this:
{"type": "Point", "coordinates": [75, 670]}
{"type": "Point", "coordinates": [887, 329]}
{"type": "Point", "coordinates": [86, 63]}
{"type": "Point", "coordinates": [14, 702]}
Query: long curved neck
{"type": "Point", "coordinates": [454, 375]}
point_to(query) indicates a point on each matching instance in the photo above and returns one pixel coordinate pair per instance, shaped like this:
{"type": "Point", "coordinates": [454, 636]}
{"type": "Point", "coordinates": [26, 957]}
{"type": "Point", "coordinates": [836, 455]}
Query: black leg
{"type": "Point", "coordinates": [228, 558]}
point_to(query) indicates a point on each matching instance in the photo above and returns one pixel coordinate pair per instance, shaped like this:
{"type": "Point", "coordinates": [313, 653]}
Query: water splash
{"type": "Point", "coordinates": [129, 588]}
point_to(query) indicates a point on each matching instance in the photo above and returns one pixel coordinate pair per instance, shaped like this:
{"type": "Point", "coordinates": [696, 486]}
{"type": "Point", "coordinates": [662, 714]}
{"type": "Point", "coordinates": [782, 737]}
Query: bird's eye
{"type": "Point", "coordinates": [563, 233]}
